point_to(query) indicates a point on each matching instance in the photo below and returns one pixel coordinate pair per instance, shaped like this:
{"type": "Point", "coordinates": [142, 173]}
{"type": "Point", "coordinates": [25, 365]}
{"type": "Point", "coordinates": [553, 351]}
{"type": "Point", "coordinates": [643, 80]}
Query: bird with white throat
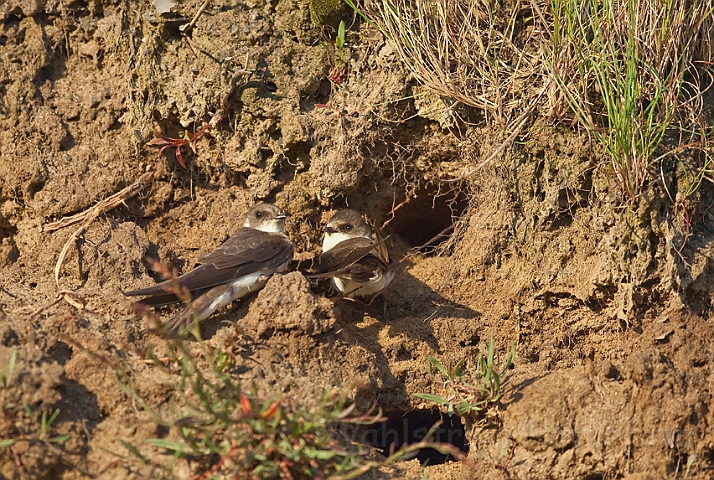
{"type": "Point", "coordinates": [241, 265]}
{"type": "Point", "coordinates": [354, 257]}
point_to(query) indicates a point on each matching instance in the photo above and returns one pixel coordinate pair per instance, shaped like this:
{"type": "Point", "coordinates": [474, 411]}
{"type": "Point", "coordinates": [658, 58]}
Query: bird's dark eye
{"type": "Point", "coordinates": [348, 227]}
{"type": "Point", "coordinates": [258, 214]}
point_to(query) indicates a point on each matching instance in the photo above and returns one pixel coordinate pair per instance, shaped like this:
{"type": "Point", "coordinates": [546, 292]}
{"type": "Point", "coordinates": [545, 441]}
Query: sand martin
{"type": "Point", "coordinates": [356, 263]}
{"type": "Point", "coordinates": [241, 265]}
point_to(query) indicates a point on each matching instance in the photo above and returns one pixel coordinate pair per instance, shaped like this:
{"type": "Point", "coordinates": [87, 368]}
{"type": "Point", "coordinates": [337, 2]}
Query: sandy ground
{"type": "Point", "coordinates": [609, 307]}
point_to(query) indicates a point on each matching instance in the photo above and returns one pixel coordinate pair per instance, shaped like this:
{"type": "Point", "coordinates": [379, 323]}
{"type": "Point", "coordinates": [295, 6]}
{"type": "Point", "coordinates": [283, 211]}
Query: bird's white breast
{"type": "Point", "coordinates": [240, 287]}
{"type": "Point", "coordinates": [332, 239]}
{"type": "Point", "coordinates": [272, 226]}
{"type": "Point", "coordinates": [376, 284]}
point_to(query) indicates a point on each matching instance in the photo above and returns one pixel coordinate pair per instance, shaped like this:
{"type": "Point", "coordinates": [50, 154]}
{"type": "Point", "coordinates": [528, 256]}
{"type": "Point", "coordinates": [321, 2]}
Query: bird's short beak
{"type": "Point", "coordinates": [282, 215]}
{"type": "Point", "coordinates": [330, 230]}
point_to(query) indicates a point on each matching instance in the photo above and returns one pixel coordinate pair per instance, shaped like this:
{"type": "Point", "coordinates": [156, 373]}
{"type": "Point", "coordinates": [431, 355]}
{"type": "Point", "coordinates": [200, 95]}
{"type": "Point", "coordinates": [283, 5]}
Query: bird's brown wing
{"type": "Point", "coordinates": [247, 251]}
{"type": "Point", "coordinates": [356, 259]}
{"type": "Point", "coordinates": [345, 254]}
{"type": "Point", "coordinates": [381, 244]}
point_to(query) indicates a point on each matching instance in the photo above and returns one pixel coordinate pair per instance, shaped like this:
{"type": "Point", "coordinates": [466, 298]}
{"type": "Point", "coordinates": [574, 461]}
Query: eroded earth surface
{"type": "Point", "coordinates": [610, 307]}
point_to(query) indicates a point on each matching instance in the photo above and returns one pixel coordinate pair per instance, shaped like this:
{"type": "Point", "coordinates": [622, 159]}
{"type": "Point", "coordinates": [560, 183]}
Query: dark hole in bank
{"type": "Point", "coordinates": [426, 215]}
{"type": "Point", "coordinates": [411, 427]}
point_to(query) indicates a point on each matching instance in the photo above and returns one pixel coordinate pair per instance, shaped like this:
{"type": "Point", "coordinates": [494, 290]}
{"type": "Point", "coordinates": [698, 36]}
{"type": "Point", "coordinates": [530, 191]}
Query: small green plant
{"type": "Point", "coordinates": [340, 40]}
{"type": "Point", "coordinates": [688, 183]}
{"type": "Point", "coordinates": [336, 52]}
{"type": "Point", "coordinates": [226, 430]}
{"type": "Point", "coordinates": [39, 427]}
{"type": "Point", "coordinates": [43, 424]}
{"type": "Point", "coordinates": [6, 370]}
{"type": "Point", "coordinates": [465, 393]}
{"type": "Point", "coordinates": [7, 399]}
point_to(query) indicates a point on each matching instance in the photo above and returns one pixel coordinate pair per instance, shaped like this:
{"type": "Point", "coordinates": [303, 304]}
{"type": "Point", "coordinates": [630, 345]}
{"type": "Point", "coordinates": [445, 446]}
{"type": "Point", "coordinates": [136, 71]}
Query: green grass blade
{"type": "Point", "coordinates": [433, 361]}
{"type": "Point", "coordinates": [431, 398]}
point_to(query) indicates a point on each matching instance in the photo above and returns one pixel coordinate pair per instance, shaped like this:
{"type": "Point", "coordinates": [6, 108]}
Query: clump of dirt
{"type": "Point", "coordinates": [644, 414]}
{"type": "Point", "coordinates": [33, 387]}
{"type": "Point", "coordinates": [286, 303]}
{"type": "Point", "coordinates": [608, 306]}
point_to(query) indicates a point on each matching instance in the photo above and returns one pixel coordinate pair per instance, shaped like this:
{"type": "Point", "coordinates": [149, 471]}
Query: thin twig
{"type": "Point", "coordinates": [67, 295]}
{"type": "Point", "coordinates": [496, 152]}
{"type": "Point", "coordinates": [18, 463]}
{"type": "Point", "coordinates": [81, 417]}
{"type": "Point", "coordinates": [47, 305]}
{"type": "Point", "coordinates": [64, 222]}
{"type": "Point", "coordinates": [416, 250]}
{"type": "Point", "coordinates": [187, 28]}
{"type": "Point", "coordinates": [64, 28]}
{"type": "Point", "coordinates": [87, 217]}
{"type": "Point", "coordinates": [435, 238]}
{"type": "Point", "coordinates": [114, 200]}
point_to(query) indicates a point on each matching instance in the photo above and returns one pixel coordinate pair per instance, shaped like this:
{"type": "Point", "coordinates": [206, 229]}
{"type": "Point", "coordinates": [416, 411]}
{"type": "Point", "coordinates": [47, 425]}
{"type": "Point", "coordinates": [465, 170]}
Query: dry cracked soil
{"type": "Point", "coordinates": [609, 307]}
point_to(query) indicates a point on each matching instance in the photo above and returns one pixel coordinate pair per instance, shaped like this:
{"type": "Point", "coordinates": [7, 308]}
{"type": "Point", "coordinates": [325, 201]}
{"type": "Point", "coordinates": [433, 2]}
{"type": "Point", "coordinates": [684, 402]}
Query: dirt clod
{"type": "Point", "coordinates": [609, 307]}
{"type": "Point", "coordinates": [286, 303]}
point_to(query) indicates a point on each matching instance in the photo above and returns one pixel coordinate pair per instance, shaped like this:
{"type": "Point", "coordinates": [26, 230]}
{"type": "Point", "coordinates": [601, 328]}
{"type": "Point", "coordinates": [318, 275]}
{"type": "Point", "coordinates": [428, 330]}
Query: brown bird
{"type": "Point", "coordinates": [357, 265]}
{"type": "Point", "coordinates": [241, 265]}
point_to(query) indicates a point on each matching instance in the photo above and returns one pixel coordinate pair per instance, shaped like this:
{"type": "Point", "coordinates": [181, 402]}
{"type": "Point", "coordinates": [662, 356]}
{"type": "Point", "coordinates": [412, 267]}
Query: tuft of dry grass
{"type": "Point", "coordinates": [632, 72]}
{"type": "Point", "coordinates": [484, 54]}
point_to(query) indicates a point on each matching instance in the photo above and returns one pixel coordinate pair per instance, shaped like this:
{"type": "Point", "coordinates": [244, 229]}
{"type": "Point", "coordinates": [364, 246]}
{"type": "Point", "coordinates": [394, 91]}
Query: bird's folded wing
{"type": "Point", "coordinates": [247, 251]}
{"type": "Point", "coordinates": [381, 244]}
{"type": "Point", "coordinates": [157, 300]}
{"type": "Point", "coordinates": [347, 253]}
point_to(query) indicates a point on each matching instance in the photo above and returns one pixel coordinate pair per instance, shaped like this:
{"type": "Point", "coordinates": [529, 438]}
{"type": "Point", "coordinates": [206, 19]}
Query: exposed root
{"type": "Point", "coordinates": [520, 124]}
{"type": "Point", "coordinates": [87, 217]}
{"type": "Point", "coordinates": [187, 28]}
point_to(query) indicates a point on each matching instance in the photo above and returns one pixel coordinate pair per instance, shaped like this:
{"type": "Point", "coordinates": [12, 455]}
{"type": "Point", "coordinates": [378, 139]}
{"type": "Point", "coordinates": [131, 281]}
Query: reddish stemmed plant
{"type": "Point", "coordinates": [189, 139]}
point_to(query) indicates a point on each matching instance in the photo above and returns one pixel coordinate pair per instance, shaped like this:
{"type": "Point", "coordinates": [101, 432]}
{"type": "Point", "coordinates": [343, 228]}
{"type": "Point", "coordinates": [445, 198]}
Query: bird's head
{"type": "Point", "coordinates": [343, 225]}
{"type": "Point", "coordinates": [265, 217]}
